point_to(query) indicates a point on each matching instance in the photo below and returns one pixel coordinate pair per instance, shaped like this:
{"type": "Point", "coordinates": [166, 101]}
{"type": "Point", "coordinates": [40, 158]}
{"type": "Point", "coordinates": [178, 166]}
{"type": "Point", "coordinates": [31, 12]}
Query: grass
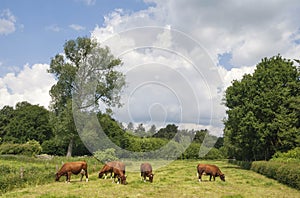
{"type": "Point", "coordinates": [177, 179]}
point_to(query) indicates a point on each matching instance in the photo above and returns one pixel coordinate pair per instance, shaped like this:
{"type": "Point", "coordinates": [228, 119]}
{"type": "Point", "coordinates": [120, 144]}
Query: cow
{"type": "Point", "coordinates": [72, 167]}
{"type": "Point", "coordinates": [119, 172]}
{"type": "Point", "coordinates": [107, 168]}
{"type": "Point", "coordinates": [146, 171]}
{"type": "Point", "coordinates": [211, 170]}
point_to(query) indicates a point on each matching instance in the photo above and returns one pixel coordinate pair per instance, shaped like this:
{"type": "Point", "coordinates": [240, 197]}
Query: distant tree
{"type": "Point", "coordinates": [82, 52]}
{"type": "Point", "coordinates": [168, 132]}
{"type": "Point", "coordinates": [263, 111]}
{"type": "Point", "coordinates": [152, 129]}
{"type": "Point", "coordinates": [130, 126]}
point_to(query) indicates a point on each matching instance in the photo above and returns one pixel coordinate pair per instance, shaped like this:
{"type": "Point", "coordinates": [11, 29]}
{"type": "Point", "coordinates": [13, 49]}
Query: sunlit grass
{"type": "Point", "coordinates": [177, 179]}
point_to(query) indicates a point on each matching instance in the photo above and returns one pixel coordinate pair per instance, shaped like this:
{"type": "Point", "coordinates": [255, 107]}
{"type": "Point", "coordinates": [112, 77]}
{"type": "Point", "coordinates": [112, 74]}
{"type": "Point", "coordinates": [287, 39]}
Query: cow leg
{"type": "Point", "coordinates": [209, 177]}
{"type": "Point", "coordinates": [214, 178]}
{"type": "Point", "coordinates": [86, 176]}
{"type": "Point", "coordinates": [200, 176]}
{"type": "Point", "coordinates": [82, 172]}
{"type": "Point", "coordinates": [69, 176]}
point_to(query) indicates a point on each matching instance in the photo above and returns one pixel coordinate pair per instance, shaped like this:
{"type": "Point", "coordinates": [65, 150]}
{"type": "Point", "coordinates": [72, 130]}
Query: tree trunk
{"type": "Point", "coordinates": [70, 148]}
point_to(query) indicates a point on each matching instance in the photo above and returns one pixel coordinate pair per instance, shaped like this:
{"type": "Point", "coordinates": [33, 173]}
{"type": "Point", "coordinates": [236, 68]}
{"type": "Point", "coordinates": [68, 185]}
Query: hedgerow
{"type": "Point", "coordinates": [286, 173]}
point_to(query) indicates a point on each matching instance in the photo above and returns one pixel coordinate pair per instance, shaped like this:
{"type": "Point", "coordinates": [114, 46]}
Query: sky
{"type": "Point", "coordinates": [179, 56]}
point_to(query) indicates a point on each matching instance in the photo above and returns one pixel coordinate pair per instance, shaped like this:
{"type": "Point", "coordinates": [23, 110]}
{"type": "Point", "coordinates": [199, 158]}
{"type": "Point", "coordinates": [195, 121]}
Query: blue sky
{"type": "Point", "coordinates": [235, 36]}
{"type": "Point", "coordinates": [42, 27]}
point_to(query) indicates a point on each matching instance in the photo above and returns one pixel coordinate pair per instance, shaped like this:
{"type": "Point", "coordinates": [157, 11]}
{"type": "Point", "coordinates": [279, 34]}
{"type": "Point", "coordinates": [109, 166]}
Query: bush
{"type": "Point", "coordinates": [243, 164]}
{"type": "Point", "coordinates": [51, 147]}
{"type": "Point", "coordinates": [214, 153]}
{"type": "Point", "coordinates": [30, 148]}
{"type": "Point", "coordinates": [106, 156]}
{"type": "Point", "coordinates": [286, 173]}
{"type": "Point", "coordinates": [290, 156]}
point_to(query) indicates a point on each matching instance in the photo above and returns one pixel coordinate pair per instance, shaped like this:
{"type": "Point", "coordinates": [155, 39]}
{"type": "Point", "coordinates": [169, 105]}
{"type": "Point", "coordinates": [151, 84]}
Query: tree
{"type": "Point", "coordinates": [263, 111]}
{"type": "Point", "coordinates": [169, 132]}
{"type": "Point", "coordinates": [140, 130]}
{"type": "Point", "coordinates": [152, 129]}
{"type": "Point", "coordinates": [130, 126]}
{"type": "Point", "coordinates": [25, 122]}
{"type": "Point", "coordinates": [87, 55]}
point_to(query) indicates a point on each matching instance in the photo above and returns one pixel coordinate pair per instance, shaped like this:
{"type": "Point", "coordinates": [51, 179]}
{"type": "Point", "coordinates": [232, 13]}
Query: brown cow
{"type": "Point", "coordinates": [211, 170]}
{"type": "Point", "coordinates": [119, 172]}
{"type": "Point", "coordinates": [72, 167]}
{"type": "Point", "coordinates": [107, 168]}
{"type": "Point", "coordinates": [146, 171]}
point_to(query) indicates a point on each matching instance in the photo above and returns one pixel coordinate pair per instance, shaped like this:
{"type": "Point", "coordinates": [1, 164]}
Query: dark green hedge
{"type": "Point", "coordinates": [286, 173]}
{"type": "Point", "coordinates": [243, 164]}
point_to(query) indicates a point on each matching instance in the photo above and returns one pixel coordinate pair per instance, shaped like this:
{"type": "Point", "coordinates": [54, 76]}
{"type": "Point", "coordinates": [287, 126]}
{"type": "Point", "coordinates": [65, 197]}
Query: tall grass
{"type": "Point", "coordinates": [23, 171]}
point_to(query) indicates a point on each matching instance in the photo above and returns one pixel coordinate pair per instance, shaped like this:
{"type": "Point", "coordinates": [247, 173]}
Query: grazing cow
{"type": "Point", "coordinates": [72, 167]}
{"type": "Point", "coordinates": [146, 171]}
{"type": "Point", "coordinates": [107, 168]}
{"type": "Point", "coordinates": [119, 172]}
{"type": "Point", "coordinates": [211, 170]}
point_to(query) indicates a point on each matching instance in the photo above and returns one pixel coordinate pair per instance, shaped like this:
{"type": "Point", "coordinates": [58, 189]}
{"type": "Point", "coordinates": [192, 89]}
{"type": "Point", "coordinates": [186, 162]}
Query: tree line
{"type": "Point", "coordinates": [26, 122]}
{"type": "Point", "coordinates": [263, 110]}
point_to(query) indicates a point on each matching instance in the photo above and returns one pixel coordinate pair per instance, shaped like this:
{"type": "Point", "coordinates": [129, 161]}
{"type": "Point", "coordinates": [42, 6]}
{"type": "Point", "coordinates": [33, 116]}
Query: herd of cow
{"type": "Point", "coordinates": [118, 169]}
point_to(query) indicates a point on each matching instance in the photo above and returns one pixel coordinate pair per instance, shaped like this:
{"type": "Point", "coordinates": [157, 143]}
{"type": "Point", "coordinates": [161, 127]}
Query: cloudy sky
{"type": "Point", "coordinates": [179, 56]}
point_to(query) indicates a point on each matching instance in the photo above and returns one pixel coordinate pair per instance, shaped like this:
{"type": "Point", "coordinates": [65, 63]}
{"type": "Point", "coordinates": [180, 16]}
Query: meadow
{"type": "Point", "coordinates": [177, 179]}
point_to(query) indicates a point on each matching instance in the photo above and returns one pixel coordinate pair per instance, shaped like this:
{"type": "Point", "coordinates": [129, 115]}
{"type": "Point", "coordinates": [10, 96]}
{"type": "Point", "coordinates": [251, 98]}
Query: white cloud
{"type": "Point", "coordinates": [31, 84]}
{"type": "Point", "coordinates": [88, 2]}
{"type": "Point", "coordinates": [77, 27]}
{"type": "Point", "coordinates": [54, 28]}
{"type": "Point", "coordinates": [7, 22]}
{"type": "Point", "coordinates": [247, 31]}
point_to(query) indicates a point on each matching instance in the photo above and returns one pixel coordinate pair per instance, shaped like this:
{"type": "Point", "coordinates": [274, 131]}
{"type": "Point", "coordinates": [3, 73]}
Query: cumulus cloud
{"type": "Point", "coordinates": [31, 84]}
{"type": "Point", "coordinates": [7, 22]}
{"type": "Point", "coordinates": [246, 31]}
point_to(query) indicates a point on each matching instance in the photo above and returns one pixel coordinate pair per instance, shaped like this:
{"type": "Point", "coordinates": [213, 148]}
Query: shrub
{"type": "Point", "coordinates": [243, 164]}
{"type": "Point", "coordinates": [106, 155]}
{"type": "Point", "coordinates": [286, 173]}
{"type": "Point", "coordinates": [51, 147]}
{"type": "Point", "coordinates": [290, 156]}
{"type": "Point", "coordinates": [30, 148]}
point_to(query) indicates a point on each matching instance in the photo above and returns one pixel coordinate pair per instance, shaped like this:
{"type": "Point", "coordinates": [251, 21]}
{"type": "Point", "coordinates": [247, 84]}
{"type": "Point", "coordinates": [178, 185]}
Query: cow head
{"type": "Point", "coordinates": [222, 176]}
{"type": "Point", "coordinates": [151, 177]}
{"type": "Point", "coordinates": [123, 179]}
{"type": "Point", "coordinates": [56, 177]}
{"type": "Point", "coordinates": [100, 175]}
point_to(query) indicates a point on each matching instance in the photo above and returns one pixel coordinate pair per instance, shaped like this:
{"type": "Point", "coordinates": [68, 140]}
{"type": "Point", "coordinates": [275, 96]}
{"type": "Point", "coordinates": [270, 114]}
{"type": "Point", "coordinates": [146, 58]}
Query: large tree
{"type": "Point", "coordinates": [263, 111]}
{"type": "Point", "coordinates": [87, 53]}
{"type": "Point", "coordinates": [25, 122]}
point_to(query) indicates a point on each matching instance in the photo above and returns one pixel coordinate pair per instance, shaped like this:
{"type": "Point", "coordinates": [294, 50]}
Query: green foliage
{"type": "Point", "coordinates": [292, 155]}
{"type": "Point", "coordinates": [25, 122]}
{"type": "Point", "coordinates": [287, 173]}
{"type": "Point", "coordinates": [168, 132]}
{"type": "Point", "coordinates": [52, 147]}
{"type": "Point", "coordinates": [243, 164]}
{"type": "Point", "coordinates": [263, 111]}
{"type": "Point", "coordinates": [30, 148]}
{"type": "Point", "coordinates": [82, 57]}
{"type": "Point", "coordinates": [107, 155]}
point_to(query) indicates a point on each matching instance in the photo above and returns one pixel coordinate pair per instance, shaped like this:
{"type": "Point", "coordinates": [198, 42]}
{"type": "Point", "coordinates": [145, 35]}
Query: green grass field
{"type": "Point", "coordinates": [177, 179]}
